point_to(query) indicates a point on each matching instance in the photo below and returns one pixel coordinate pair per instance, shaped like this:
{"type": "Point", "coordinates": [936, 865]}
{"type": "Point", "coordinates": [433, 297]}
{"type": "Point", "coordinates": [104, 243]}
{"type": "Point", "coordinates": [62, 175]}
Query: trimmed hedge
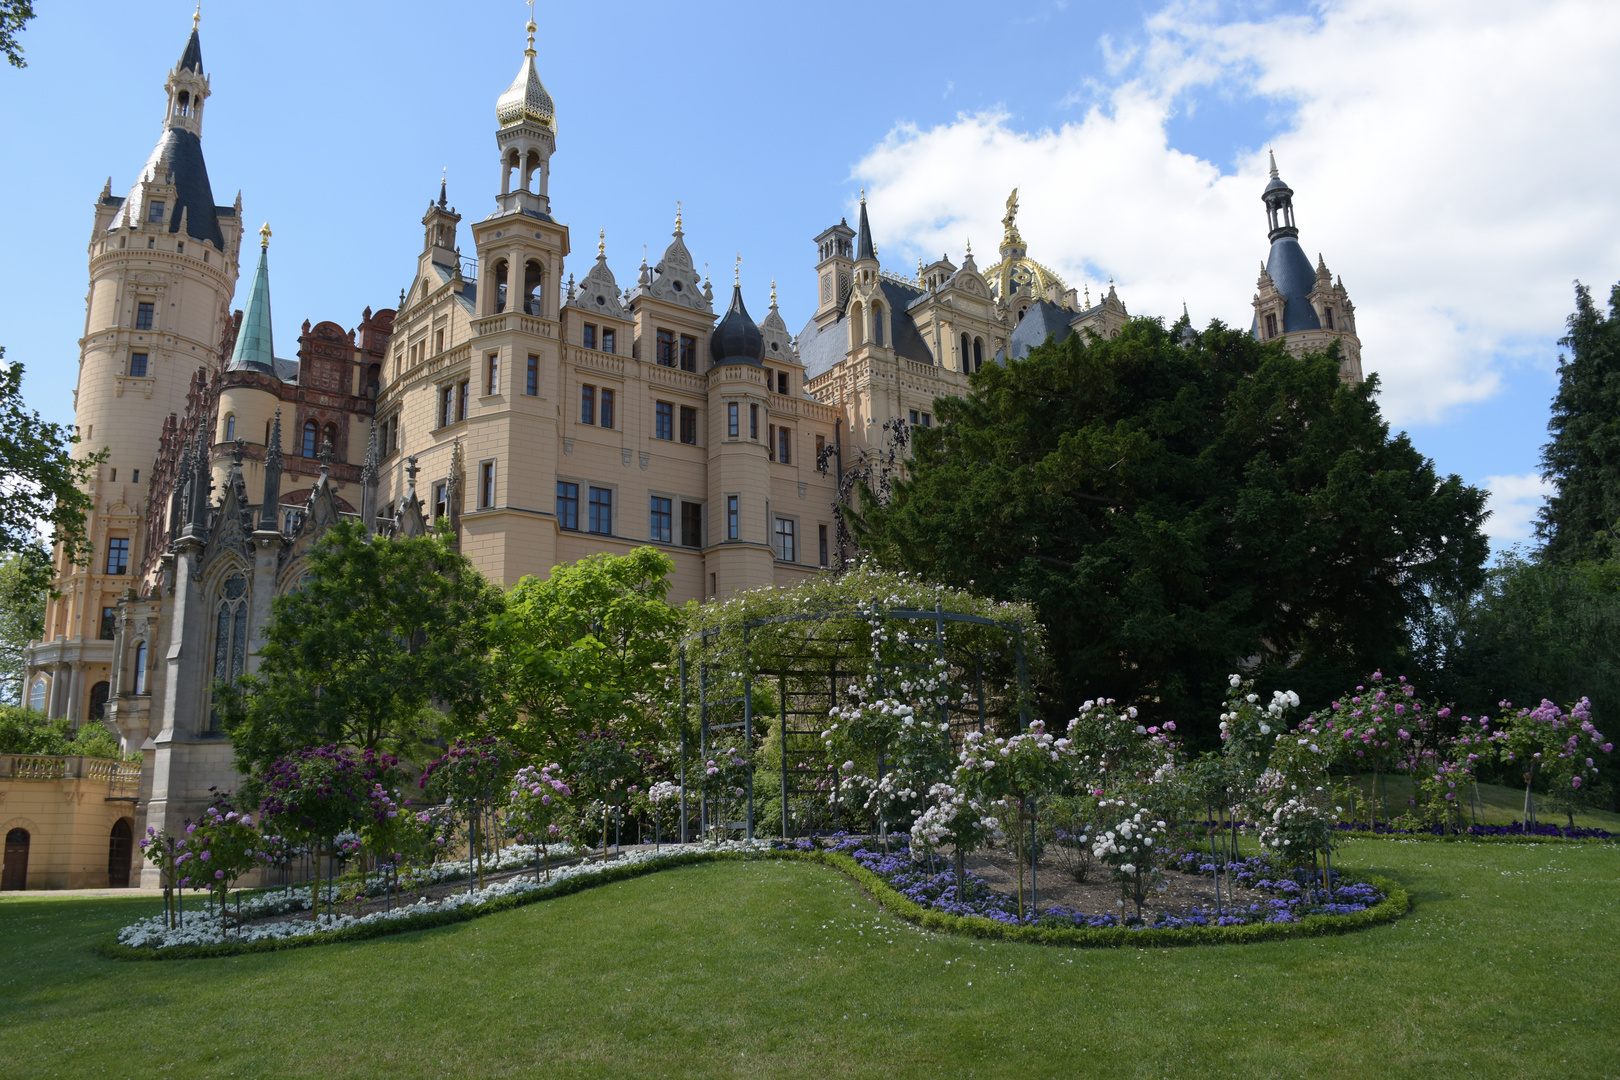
{"type": "Point", "coordinates": [1395, 904]}
{"type": "Point", "coordinates": [1464, 838]}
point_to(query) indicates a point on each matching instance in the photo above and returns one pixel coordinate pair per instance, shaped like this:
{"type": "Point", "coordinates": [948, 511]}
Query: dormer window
{"type": "Point", "coordinates": [154, 212]}
{"type": "Point", "coordinates": [1271, 325]}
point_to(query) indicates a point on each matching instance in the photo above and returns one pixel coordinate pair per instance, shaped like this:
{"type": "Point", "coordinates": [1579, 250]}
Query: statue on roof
{"type": "Point", "coordinates": [1010, 222]}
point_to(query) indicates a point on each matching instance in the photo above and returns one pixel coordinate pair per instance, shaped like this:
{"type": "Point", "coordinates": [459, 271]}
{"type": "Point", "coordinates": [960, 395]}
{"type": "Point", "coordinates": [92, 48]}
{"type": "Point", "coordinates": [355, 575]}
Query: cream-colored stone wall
{"type": "Point", "coordinates": [69, 806]}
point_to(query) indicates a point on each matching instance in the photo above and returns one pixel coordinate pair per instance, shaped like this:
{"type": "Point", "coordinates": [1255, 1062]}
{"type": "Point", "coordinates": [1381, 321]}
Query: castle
{"type": "Point", "coordinates": [546, 413]}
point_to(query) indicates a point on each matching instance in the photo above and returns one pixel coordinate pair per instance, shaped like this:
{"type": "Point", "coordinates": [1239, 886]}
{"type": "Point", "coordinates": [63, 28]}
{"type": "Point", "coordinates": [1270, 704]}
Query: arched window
{"type": "Point", "coordinates": [230, 427]}
{"type": "Point", "coordinates": [978, 353]}
{"type": "Point", "coordinates": [532, 292]}
{"type": "Point", "coordinates": [120, 846]}
{"type": "Point", "coordinates": [36, 695]}
{"type": "Point", "coordinates": [184, 108]}
{"type": "Point", "coordinates": [310, 431]}
{"type": "Point", "coordinates": [15, 874]}
{"type": "Point", "coordinates": [98, 700]}
{"type": "Point", "coordinates": [966, 363]}
{"type": "Point", "coordinates": [230, 637]}
{"type": "Point", "coordinates": [857, 325]}
{"type": "Point", "coordinates": [877, 324]}
{"type": "Point", "coordinates": [500, 287]}
{"type": "Point", "coordinates": [140, 667]}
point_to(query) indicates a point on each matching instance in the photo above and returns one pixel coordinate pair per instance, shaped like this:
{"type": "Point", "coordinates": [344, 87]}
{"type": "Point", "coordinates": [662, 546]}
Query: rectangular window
{"type": "Point", "coordinates": [137, 477]}
{"type": "Point", "coordinates": [587, 404]}
{"type": "Point", "coordinates": [781, 382]}
{"type": "Point", "coordinates": [688, 425]}
{"type": "Point", "coordinates": [927, 421]}
{"type": "Point", "coordinates": [118, 555]}
{"type": "Point", "coordinates": [1329, 313]}
{"type": "Point", "coordinates": [601, 509]}
{"type": "Point", "coordinates": [914, 420]}
{"type": "Point", "coordinates": [607, 340]}
{"type": "Point", "coordinates": [438, 341]}
{"type": "Point", "coordinates": [137, 365]}
{"type": "Point", "coordinates": [461, 399]}
{"type": "Point", "coordinates": [786, 549]}
{"type": "Point", "coordinates": [143, 316]}
{"type": "Point", "coordinates": [115, 476]}
{"type": "Point", "coordinates": [486, 485]}
{"type": "Point", "coordinates": [441, 500]}
{"type": "Point", "coordinates": [107, 623]}
{"type": "Point", "coordinates": [588, 336]}
{"type": "Point", "coordinates": [821, 539]}
{"type": "Point", "coordinates": [821, 446]}
{"type": "Point", "coordinates": [731, 419]}
{"type": "Point", "coordinates": [492, 385]}
{"type": "Point", "coordinates": [532, 387]}
{"type": "Point", "coordinates": [154, 211]}
{"type": "Point", "coordinates": [666, 348]}
{"type": "Point", "coordinates": [688, 353]}
{"type": "Point", "coordinates": [607, 407]}
{"type": "Point", "coordinates": [770, 444]}
{"type": "Point", "coordinates": [662, 519]}
{"type": "Point", "coordinates": [784, 446]}
{"type": "Point", "coordinates": [567, 505]}
{"type": "Point", "coordinates": [664, 421]}
{"type": "Point", "coordinates": [732, 517]}
{"type": "Point", "coordinates": [753, 422]}
{"type": "Point", "coordinates": [1271, 326]}
{"type": "Point", "coordinates": [447, 410]}
{"type": "Point", "coordinates": [692, 524]}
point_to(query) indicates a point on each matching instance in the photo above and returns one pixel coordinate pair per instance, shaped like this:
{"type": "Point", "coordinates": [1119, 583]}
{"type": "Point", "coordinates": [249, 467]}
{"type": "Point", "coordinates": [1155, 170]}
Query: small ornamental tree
{"type": "Point", "coordinates": [1249, 730]}
{"type": "Point", "coordinates": [1131, 844]}
{"type": "Point", "coordinates": [1562, 747]}
{"type": "Point", "coordinates": [227, 846]}
{"type": "Point", "coordinates": [163, 851]}
{"type": "Point", "coordinates": [607, 770]}
{"type": "Point", "coordinates": [660, 804]}
{"type": "Point", "coordinates": [318, 793]}
{"type": "Point", "coordinates": [1372, 728]}
{"type": "Point", "coordinates": [468, 776]}
{"type": "Point", "coordinates": [537, 801]}
{"type": "Point", "coordinates": [956, 817]}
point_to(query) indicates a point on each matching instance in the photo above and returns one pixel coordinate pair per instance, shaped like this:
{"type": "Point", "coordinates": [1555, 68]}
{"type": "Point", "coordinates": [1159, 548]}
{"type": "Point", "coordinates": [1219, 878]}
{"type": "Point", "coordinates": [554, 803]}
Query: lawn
{"type": "Point", "coordinates": [1499, 805]}
{"type": "Point", "coordinates": [778, 969]}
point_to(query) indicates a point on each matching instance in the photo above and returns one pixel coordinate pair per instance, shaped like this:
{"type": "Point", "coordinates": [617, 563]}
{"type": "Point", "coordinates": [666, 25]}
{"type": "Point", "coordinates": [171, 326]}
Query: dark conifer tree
{"type": "Point", "coordinates": [1581, 520]}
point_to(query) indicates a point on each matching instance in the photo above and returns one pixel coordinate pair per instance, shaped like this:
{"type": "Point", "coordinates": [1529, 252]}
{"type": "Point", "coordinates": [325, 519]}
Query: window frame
{"type": "Point", "coordinates": [145, 314]}
{"type": "Point", "coordinates": [733, 517]}
{"type": "Point", "coordinates": [604, 408]}
{"type": "Point", "coordinates": [601, 503]}
{"type": "Point", "coordinates": [688, 352]}
{"type": "Point", "coordinates": [117, 546]}
{"type": "Point", "coordinates": [691, 514]}
{"type": "Point", "coordinates": [821, 542]}
{"type": "Point", "coordinates": [664, 349]}
{"type": "Point", "coordinates": [790, 534]}
{"type": "Point", "coordinates": [568, 505]}
{"type": "Point", "coordinates": [587, 335]}
{"type": "Point", "coordinates": [486, 484]}
{"type": "Point", "coordinates": [733, 419]}
{"type": "Point", "coordinates": [492, 374]}
{"type": "Point", "coordinates": [532, 385]}
{"type": "Point", "coordinates": [609, 341]}
{"type": "Point", "coordinates": [689, 413]}
{"type": "Point", "coordinates": [784, 446]}
{"type": "Point", "coordinates": [664, 420]}
{"type": "Point", "coordinates": [655, 512]}
{"type": "Point", "coordinates": [587, 404]}
{"type": "Point", "coordinates": [144, 360]}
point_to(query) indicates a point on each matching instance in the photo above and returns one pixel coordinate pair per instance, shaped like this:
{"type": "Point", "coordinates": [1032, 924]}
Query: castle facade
{"type": "Point", "coordinates": [543, 410]}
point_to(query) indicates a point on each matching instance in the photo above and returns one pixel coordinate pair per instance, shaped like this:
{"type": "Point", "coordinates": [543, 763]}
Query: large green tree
{"type": "Point", "coordinates": [1582, 461]}
{"type": "Point", "coordinates": [24, 585]}
{"type": "Point", "coordinates": [41, 483]}
{"type": "Point", "coordinates": [1178, 511]}
{"type": "Point", "coordinates": [383, 633]}
{"type": "Point", "coordinates": [585, 649]}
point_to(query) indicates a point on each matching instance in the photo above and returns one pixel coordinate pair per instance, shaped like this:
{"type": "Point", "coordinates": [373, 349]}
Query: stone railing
{"type": "Point", "coordinates": [122, 779]}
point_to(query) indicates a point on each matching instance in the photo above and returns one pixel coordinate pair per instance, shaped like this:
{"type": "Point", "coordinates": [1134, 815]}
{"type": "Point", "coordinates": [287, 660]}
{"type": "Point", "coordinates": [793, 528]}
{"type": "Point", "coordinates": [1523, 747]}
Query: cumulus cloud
{"type": "Point", "coordinates": [1513, 503]}
{"type": "Point", "coordinates": [1451, 161]}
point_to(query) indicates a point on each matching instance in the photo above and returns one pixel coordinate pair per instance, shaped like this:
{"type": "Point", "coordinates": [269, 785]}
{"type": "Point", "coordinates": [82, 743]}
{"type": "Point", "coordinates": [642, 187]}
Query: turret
{"type": "Point", "coordinates": [527, 137]}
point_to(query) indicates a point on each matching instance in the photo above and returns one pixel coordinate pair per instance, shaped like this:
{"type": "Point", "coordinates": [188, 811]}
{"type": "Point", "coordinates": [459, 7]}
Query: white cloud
{"type": "Point", "coordinates": [1451, 160]}
{"type": "Point", "coordinates": [1513, 503]}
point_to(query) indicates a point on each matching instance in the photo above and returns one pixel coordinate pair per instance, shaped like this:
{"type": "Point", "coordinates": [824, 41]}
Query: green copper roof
{"type": "Point", "coordinates": [254, 348]}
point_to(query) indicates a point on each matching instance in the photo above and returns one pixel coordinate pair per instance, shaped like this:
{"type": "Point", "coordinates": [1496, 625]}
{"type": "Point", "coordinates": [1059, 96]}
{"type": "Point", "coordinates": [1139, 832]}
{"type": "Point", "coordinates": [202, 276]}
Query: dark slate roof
{"type": "Point", "coordinates": [819, 350]}
{"type": "Point", "coordinates": [1276, 182]}
{"type": "Point", "coordinates": [908, 342]}
{"type": "Point", "coordinates": [863, 245]}
{"type": "Point", "coordinates": [1290, 268]}
{"type": "Point", "coordinates": [736, 340]}
{"type": "Point", "coordinates": [286, 370]}
{"type": "Point", "coordinates": [191, 59]}
{"type": "Point", "coordinates": [1044, 319]}
{"type": "Point", "coordinates": [178, 155]}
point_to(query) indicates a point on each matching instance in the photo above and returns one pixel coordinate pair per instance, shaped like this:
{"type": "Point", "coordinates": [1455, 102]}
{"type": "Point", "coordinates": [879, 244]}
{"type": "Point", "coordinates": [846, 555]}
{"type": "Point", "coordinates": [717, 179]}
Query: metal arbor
{"type": "Point", "coordinates": [775, 678]}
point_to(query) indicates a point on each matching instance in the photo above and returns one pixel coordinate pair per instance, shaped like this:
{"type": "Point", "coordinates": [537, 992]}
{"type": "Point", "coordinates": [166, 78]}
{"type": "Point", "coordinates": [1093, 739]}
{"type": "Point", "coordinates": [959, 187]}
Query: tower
{"type": "Point", "coordinates": [835, 265]}
{"type": "Point", "coordinates": [163, 268]}
{"type": "Point", "coordinates": [1305, 308]}
{"type": "Point", "coordinates": [527, 138]}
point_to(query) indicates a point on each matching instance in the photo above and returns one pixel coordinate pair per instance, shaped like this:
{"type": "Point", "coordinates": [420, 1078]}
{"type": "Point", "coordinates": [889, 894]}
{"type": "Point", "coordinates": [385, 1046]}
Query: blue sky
{"type": "Point", "coordinates": [1443, 156]}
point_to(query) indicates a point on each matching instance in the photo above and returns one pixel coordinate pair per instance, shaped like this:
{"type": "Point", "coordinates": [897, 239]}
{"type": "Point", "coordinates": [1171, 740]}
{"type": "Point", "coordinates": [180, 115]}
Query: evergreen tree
{"type": "Point", "coordinates": [1582, 461]}
{"type": "Point", "coordinates": [1178, 513]}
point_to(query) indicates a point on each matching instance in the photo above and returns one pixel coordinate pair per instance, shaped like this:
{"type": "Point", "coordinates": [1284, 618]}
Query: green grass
{"type": "Point", "coordinates": [1500, 805]}
{"type": "Point", "coordinates": [785, 969]}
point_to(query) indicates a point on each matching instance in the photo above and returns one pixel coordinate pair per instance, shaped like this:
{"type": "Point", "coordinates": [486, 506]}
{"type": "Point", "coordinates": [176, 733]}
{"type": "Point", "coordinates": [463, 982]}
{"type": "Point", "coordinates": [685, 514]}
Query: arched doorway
{"type": "Point", "coordinates": [15, 874]}
{"type": "Point", "coordinates": [119, 848]}
{"type": "Point", "coordinates": [98, 701]}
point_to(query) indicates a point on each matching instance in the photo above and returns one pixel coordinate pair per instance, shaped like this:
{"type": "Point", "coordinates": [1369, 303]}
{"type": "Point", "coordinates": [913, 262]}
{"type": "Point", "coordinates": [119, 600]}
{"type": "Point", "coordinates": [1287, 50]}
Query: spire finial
{"type": "Point", "coordinates": [677, 217]}
{"type": "Point", "coordinates": [264, 235]}
{"type": "Point", "coordinates": [773, 292]}
{"type": "Point", "coordinates": [601, 243]}
{"type": "Point", "coordinates": [444, 179]}
{"type": "Point", "coordinates": [196, 17]}
{"type": "Point", "coordinates": [970, 245]}
{"type": "Point", "coordinates": [531, 28]}
{"type": "Point", "coordinates": [736, 274]}
{"type": "Point", "coordinates": [1271, 152]}
{"type": "Point", "coordinates": [863, 196]}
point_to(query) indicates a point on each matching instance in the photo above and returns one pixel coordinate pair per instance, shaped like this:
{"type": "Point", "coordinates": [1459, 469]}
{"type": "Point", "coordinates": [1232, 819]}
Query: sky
{"type": "Point", "coordinates": [1453, 162]}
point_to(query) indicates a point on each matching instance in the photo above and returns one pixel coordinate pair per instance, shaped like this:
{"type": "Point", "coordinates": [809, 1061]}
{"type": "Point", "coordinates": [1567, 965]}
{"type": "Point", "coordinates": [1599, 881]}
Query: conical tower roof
{"type": "Point", "coordinates": [255, 349]}
{"type": "Point", "coordinates": [736, 340]}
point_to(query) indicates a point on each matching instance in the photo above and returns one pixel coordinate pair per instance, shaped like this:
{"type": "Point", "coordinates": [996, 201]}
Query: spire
{"type": "Point", "coordinates": [1271, 152]}
{"type": "Point", "coordinates": [444, 180]}
{"type": "Point", "coordinates": [773, 293]}
{"type": "Point", "coordinates": [268, 521]}
{"type": "Point", "coordinates": [863, 239]}
{"type": "Point", "coordinates": [678, 231]}
{"type": "Point", "coordinates": [202, 488]}
{"type": "Point", "coordinates": [254, 348]}
{"type": "Point", "coordinates": [191, 58]}
{"type": "Point", "coordinates": [1279, 200]}
{"type": "Point", "coordinates": [526, 99]}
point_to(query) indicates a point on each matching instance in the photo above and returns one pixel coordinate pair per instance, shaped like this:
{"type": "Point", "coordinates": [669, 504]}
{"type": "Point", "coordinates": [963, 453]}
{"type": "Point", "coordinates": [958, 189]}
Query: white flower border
{"type": "Point", "coordinates": [203, 927]}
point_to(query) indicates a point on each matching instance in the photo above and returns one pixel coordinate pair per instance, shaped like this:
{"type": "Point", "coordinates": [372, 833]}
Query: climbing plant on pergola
{"type": "Point", "coordinates": [757, 676]}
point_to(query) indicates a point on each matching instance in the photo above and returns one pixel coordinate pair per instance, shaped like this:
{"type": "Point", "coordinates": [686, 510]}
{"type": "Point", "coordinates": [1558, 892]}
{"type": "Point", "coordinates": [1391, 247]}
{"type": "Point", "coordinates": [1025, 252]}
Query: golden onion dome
{"type": "Point", "coordinates": [1018, 271]}
{"type": "Point", "coordinates": [526, 98]}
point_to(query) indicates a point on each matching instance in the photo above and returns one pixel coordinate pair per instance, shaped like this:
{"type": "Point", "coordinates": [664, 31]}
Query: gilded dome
{"type": "Point", "coordinates": [1016, 271]}
{"type": "Point", "coordinates": [526, 98]}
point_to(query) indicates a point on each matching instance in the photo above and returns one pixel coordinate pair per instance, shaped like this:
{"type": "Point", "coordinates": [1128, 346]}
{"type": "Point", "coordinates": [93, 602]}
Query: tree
{"type": "Point", "coordinates": [24, 585]}
{"type": "Point", "coordinates": [1174, 512]}
{"type": "Point", "coordinates": [14, 15]}
{"type": "Point", "coordinates": [40, 481]}
{"type": "Point", "coordinates": [585, 650]}
{"type": "Point", "coordinates": [383, 630]}
{"type": "Point", "coordinates": [1582, 462]}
